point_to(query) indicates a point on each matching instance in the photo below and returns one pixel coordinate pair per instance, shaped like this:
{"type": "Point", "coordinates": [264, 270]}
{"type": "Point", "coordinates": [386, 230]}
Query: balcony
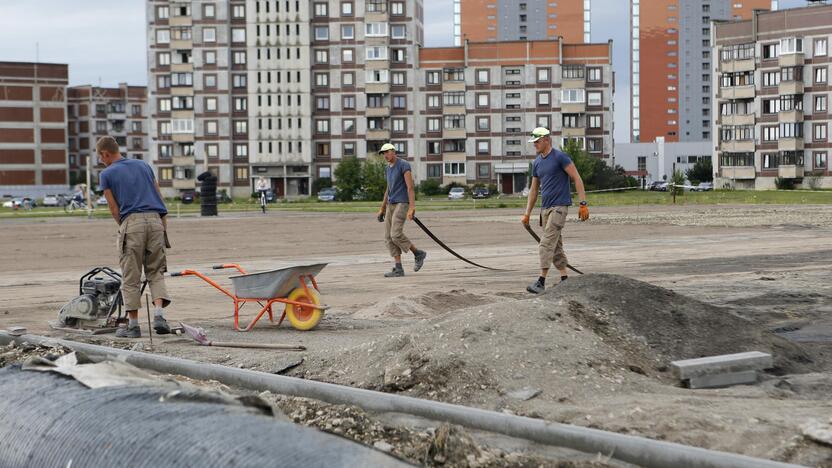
{"type": "Point", "coordinates": [183, 137]}
{"type": "Point", "coordinates": [737, 146]}
{"type": "Point", "coordinates": [790, 144]}
{"type": "Point", "coordinates": [378, 134]}
{"type": "Point", "coordinates": [182, 67]}
{"type": "Point", "coordinates": [182, 91]}
{"type": "Point", "coordinates": [790, 172]}
{"type": "Point", "coordinates": [180, 44]}
{"type": "Point", "coordinates": [377, 16]}
{"type": "Point", "coordinates": [453, 133]}
{"type": "Point", "coordinates": [189, 161]}
{"type": "Point", "coordinates": [453, 86]}
{"type": "Point", "coordinates": [184, 184]}
{"type": "Point", "coordinates": [377, 64]}
{"type": "Point", "coordinates": [790, 87]}
{"type": "Point", "coordinates": [377, 112]}
{"type": "Point", "coordinates": [377, 88]}
{"type": "Point", "coordinates": [734, 66]}
{"type": "Point", "coordinates": [791, 60]}
{"type": "Point", "coordinates": [573, 83]}
{"type": "Point", "coordinates": [573, 108]}
{"type": "Point", "coordinates": [738, 119]}
{"type": "Point", "coordinates": [738, 172]}
{"type": "Point", "coordinates": [453, 156]}
{"type": "Point", "coordinates": [573, 131]}
{"type": "Point", "coordinates": [180, 21]}
{"type": "Point", "coordinates": [737, 92]}
{"type": "Point", "coordinates": [453, 109]}
{"type": "Point", "coordinates": [793, 115]}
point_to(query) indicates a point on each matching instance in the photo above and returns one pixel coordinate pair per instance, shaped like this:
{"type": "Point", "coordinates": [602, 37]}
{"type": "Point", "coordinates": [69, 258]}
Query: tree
{"type": "Point", "coordinates": [374, 178]}
{"type": "Point", "coordinates": [678, 181]}
{"type": "Point", "coordinates": [584, 162]}
{"type": "Point", "coordinates": [348, 178]}
{"type": "Point", "coordinates": [702, 171]}
{"type": "Point", "coordinates": [430, 187]}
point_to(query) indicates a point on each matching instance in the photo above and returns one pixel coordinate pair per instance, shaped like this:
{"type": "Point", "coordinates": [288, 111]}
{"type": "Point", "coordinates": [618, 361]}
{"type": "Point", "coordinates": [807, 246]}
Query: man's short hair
{"type": "Point", "coordinates": [108, 144]}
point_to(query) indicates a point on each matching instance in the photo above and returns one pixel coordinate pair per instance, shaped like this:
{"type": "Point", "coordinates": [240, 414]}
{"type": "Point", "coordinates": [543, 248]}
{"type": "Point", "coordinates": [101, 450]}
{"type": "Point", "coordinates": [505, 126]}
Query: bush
{"type": "Point", "coordinates": [702, 171]}
{"type": "Point", "coordinates": [348, 178]}
{"type": "Point", "coordinates": [374, 178]}
{"type": "Point", "coordinates": [430, 187]}
{"type": "Point", "coordinates": [677, 180]}
{"type": "Point", "coordinates": [320, 184]}
{"type": "Point", "coordinates": [784, 184]}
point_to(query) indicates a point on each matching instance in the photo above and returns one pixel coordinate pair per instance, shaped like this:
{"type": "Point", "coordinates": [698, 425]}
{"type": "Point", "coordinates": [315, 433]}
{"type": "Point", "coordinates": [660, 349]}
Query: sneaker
{"type": "Point", "coordinates": [129, 332]}
{"type": "Point", "coordinates": [535, 288]}
{"type": "Point", "coordinates": [420, 259]}
{"type": "Point", "coordinates": [160, 326]}
{"type": "Point", "coordinates": [394, 273]}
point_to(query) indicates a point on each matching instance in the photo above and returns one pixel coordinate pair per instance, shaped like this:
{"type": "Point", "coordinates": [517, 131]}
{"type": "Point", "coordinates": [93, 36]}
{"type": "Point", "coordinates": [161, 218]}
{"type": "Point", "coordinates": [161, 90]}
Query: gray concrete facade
{"type": "Point", "coordinates": [511, 27]}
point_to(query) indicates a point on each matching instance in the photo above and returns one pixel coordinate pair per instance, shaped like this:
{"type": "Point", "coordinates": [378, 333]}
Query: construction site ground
{"type": "Point", "coordinates": [662, 283]}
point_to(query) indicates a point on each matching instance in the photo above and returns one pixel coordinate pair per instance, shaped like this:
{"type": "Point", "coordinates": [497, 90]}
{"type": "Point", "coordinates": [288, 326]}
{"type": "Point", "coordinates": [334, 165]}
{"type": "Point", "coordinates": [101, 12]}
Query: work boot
{"type": "Point", "coordinates": [396, 272]}
{"type": "Point", "coordinates": [536, 288]}
{"type": "Point", "coordinates": [420, 259]}
{"type": "Point", "coordinates": [129, 332]}
{"type": "Point", "coordinates": [160, 325]}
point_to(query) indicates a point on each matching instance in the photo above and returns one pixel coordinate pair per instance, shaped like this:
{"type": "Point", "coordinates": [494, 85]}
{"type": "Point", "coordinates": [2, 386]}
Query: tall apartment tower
{"type": "Point", "coordinates": [520, 20]}
{"type": "Point", "coordinates": [94, 112]}
{"type": "Point", "coordinates": [365, 58]}
{"type": "Point", "coordinates": [33, 157]}
{"type": "Point", "coordinates": [479, 103]}
{"type": "Point", "coordinates": [771, 87]}
{"type": "Point", "coordinates": [671, 41]}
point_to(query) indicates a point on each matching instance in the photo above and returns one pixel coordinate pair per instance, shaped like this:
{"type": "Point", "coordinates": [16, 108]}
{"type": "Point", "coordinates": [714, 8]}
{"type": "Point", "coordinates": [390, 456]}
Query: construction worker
{"type": "Point", "coordinates": [136, 204]}
{"type": "Point", "coordinates": [399, 202]}
{"type": "Point", "coordinates": [551, 172]}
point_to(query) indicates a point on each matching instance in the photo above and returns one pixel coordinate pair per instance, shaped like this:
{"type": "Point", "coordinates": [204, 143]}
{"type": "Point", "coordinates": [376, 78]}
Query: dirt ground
{"type": "Point", "coordinates": [662, 283]}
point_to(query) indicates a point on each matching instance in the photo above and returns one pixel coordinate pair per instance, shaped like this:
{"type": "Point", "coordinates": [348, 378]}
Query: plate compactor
{"type": "Point", "coordinates": [99, 304]}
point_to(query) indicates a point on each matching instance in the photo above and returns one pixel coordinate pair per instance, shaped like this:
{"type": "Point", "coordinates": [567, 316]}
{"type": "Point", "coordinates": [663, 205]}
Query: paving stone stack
{"type": "Point", "coordinates": [721, 371]}
{"type": "Point", "coordinates": [208, 194]}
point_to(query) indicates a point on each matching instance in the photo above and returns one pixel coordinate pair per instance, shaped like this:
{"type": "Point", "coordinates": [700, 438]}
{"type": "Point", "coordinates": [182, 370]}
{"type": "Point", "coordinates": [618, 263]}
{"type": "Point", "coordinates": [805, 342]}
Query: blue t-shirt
{"type": "Point", "coordinates": [133, 186]}
{"type": "Point", "coordinates": [396, 186]}
{"type": "Point", "coordinates": [554, 181]}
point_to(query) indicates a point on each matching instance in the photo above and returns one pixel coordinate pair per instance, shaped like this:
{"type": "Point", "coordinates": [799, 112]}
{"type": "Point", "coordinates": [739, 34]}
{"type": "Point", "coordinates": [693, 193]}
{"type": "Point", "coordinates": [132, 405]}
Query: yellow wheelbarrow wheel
{"type": "Point", "coordinates": [304, 317]}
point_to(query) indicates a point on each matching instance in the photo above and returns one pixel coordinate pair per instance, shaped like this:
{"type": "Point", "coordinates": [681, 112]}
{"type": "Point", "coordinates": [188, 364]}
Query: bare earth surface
{"type": "Point", "coordinates": [662, 283]}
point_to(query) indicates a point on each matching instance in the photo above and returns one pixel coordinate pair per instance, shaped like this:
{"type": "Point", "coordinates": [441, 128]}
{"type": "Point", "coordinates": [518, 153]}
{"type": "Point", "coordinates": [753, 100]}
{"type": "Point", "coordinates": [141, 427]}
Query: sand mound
{"type": "Point", "coordinates": [424, 305]}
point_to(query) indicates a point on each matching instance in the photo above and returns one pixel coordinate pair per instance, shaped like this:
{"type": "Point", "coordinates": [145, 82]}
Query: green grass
{"type": "Point", "coordinates": [628, 198]}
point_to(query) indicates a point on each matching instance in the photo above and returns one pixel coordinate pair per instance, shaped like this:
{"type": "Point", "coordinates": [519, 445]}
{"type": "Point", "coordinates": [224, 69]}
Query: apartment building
{"type": "Point", "coordinates": [364, 83]}
{"type": "Point", "coordinates": [520, 20]}
{"type": "Point", "coordinates": [671, 41]}
{"type": "Point", "coordinates": [93, 112]}
{"type": "Point", "coordinates": [33, 124]}
{"type": "Point", "coordinates": [480, 101]}
{"type": "Point", "coordinates": [771, 85]}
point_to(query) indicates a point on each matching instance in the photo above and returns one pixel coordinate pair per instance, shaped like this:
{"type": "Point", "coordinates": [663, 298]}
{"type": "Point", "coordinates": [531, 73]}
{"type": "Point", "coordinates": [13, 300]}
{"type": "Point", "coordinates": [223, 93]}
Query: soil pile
{"type": "Point", "coordinates": [424, 305]}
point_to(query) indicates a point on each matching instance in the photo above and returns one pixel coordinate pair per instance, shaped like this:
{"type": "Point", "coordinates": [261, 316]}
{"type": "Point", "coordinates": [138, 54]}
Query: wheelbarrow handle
{"type": "Point", "coordinates": [178, 273]}
{"type": "Point", "coordinates": [218, 267]}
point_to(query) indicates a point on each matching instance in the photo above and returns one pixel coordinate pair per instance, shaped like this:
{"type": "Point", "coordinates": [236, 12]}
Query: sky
{"type": "Point", "coordinates": [104, 41]}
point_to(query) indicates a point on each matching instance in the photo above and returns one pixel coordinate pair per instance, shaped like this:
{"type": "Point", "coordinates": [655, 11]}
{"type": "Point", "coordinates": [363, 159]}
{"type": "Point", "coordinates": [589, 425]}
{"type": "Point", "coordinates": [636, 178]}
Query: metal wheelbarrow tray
{"type": "Point", "coordinates": [285, 285]}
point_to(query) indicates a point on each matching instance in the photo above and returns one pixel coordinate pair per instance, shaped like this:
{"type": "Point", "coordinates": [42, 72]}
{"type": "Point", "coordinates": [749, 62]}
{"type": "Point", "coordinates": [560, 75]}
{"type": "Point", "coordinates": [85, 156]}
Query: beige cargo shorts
{"type": "Point", "coordinates": [141, 247]}
{"type": "Point", "coordinates": [394, 218]}
{"type": "Point", "coordinates": [551, 242]}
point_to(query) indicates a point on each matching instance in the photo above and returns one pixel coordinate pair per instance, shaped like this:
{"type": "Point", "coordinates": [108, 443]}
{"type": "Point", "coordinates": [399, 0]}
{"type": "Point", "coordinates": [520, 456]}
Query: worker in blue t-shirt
{"type": "Point", "coordinates": [551, 172]}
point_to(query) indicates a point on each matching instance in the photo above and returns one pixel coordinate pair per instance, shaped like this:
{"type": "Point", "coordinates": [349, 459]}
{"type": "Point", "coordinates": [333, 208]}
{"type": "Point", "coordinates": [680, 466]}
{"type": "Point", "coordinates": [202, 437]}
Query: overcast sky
{"type": "Point", "coordinates": [104, 41]}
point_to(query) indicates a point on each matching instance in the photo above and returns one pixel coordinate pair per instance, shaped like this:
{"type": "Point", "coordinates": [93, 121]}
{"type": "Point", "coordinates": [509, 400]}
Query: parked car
{"type": "Point", "coordinates": [525, 192]}
{"type": "Point", "coordinates": [50, 200]}
{"type": "Point", "coordinates": [327, 195]}
{"type": "Point", "coordinates": [187, 197]}
{"type": "Point", "coordinates": [654, 185]}
{"type": "Point", "coordinates": [19, 202]}
{"type": "Point", "coordinates": [456, 193]}
{"type": "Point", "coordinates": [101, 201]}
{"type": "Point", "coordinates": [481, 192]}
{"type": "Point", "coordinates": [704, 187]}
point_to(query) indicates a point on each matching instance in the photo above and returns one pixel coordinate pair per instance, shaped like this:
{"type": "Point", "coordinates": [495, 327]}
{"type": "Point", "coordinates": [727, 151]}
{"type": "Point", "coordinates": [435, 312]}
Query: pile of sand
{"type": "Point", "coordinates": [424, 305]}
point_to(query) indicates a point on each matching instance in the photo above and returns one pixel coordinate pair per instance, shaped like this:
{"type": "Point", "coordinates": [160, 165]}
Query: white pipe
{"type": "Point", "coordinates": [637, 450]}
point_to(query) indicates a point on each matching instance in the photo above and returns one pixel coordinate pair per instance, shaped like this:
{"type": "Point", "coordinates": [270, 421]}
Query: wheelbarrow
{"type": "Point", "coordinates": [286, 285]}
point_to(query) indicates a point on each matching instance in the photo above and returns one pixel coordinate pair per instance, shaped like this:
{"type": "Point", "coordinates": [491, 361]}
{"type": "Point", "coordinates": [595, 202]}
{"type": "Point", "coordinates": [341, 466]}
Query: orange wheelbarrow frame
{"type": "Point", "coordinates": [266, 308]}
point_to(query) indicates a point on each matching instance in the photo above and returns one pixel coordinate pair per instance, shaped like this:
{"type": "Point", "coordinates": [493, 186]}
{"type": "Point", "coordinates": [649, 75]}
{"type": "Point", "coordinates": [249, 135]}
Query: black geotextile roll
{"type": "Point", "coordinates": [48, 420]}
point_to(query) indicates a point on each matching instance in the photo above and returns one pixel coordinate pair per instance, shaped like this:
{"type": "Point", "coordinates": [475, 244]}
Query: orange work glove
{"type": "Point", "coordinates": [525, 219]}
{"type": "Point", "coordinates": [410, 213]}
{"type": "Point", "coordinates": [583, 213]}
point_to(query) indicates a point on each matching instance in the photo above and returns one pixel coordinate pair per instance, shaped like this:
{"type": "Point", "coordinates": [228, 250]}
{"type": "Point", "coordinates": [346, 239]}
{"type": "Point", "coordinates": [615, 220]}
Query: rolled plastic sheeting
{"type": "Point", "coordinates": [50, 420]}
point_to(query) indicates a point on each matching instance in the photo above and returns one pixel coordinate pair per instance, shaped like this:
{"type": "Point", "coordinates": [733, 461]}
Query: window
{"type": "Point", "coordinates": [399, 125]}
{"type": "Point", "coordinates": [347, 9]}
{"type": "Point", "coordinates": [348, 126]}
{"type": "Point", "coordinates": [771, 79]}
{"type": "Point", "coordinates": [570, 120]}
{"type": "Point", "coordinates": [434, 170]}
{"type": "Point", "coordinates": [434, 77]}
{"type": "Point", "coordinates": [348, 149]}
{"type": "Point", "coordinates": [433, 101]}
{"type": "Point", "coordinates": [347, 31]}
{"type": "Point", "coordinates": [399, 102]}
{"type": "Point", "coordinates": [321, 9]}
{"type": "Point", "coordinates": [211, 127]}
{"type": "Point", "coordinates": [377, 76]}
{"type": "Point", "coordinates": [399, 78]}
{"type": "Point", "coordinates": [163, 36]}
{"type": "Point", "coordinates": [347, 102]}
{"type": "Point", "coordinates": [181, 79]}
{"type": "Point", "coordinates": [791, 102]}
{"type": "Point", "coordinates": [820, 160]}
{"type": "Point", "coordinates": [163, 59]}
{"type": "Point", "coordinates": [210, 57]}
{"type": "Point", "coordinates": [376, 6]}
{"type": "Point", "coordinates": [544, 99]}
{"type": "Point", "coordinates": [239, 11]}
{"type": "Point", "coordinates": [543, 75]}
{"type": "Point", "coordinates": [435, 147]}
{"type": "Point", "coordinates": [791, 45]}
{"type": "Point", "coordinates": [594, 74]}
{"type": "Point", "coordinates": [770, 133]}
{"type": "Point", "coordinates": [348, 79]}
{"type": "Point", "coordinates": [240, 151]}
{"type": "Point", "coordinates": [212, 150]}
{"type": "Point", "coordinates": [241, 173]}
{"type": "Point", "coordinates": [483, 124]}
{"type": "Point", "coordinates": [322, 103]}
{"type": "Point", "coordinates": [594, 121]}
{"type": "Point", "coordinates": [771, 106]}
{"type": "Point", "coordinates": [819, 132]}
{"type": "Point", "coordinates": [769, 160]}
{"type": "Point", "coordinates": [454, 168]}
{"type": "Point", "coordinates": [771, 51]}
{"type": "Point", "coordinates": [820, 103]}
{"type": "Point", "coordinates": [593, 98]}
{"type": "Point", "coordinates": [544, 121]}
{"type": "Point", "coordinates": [322, 80]}
{"type": "Point", "coordinates": [398, 55]}
{"type": "Point", "coordinates": [791, 130]}
{"type": "Point", "coordinates": [210, 81]}
{"type": "Point", "coordinates": [182, 125]}
{"type": "Point", "coordinates": [482, 100]}
{"type": "Point", "coordinates": [483, 147]}
{"type": "Point", "coordinates": [572, 96]}
{"type": "Point", "coordinates": [454, 74]}
{"type": "Point", "coordinates": [376, 53]}
{"type": "Point", "coordinates": [398, 31]}
{"type": "Point", "coordinates": [434, 124]}
{"type": "Point", "coordinates": [482, 76]}
{"type": "Point", "coordinates": [162, 12]}
{"type": "Point", "coordinates": [737, 159]}
{"type": "Point", "coordinates": [483, 171]}
{"type": "Point", "coordinates": [397, 8]}
{"type": "Point", "coordinates": [820, 75]}
{"type": "Point", "coordinates": [321, 33]}
{"type": "Point", "coordinates": [454, 121]}
{"type": "Point", "coordinates": [571, 72]}
{"type": "Point", "coordinates": [240, 127]}
{"type": "Point", "coordinates": [375, 30]}
{"type": "Point", "coordinates": [820, 47]}
{"type": "Point", "coordinates": [209, 35]}
{"type": "Point", "coordinates": [238, 34]}
{"type": "Point", "coordinates": [210, 104]}
{"type": "Point", "coordinates": [321, 56]}
{"type": "Point", "coordinates": [322, 126]}
{"type": "Point", "coordinates": [239, 58]}
{"type": "Point", "coordinates": [455, 98]}
{"type": "Point", "coordinates": [239, 81]}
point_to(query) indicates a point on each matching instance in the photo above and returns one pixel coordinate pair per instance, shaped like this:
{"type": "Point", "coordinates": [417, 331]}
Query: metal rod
{"type": "Point", "coordinates": [149, 326]}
